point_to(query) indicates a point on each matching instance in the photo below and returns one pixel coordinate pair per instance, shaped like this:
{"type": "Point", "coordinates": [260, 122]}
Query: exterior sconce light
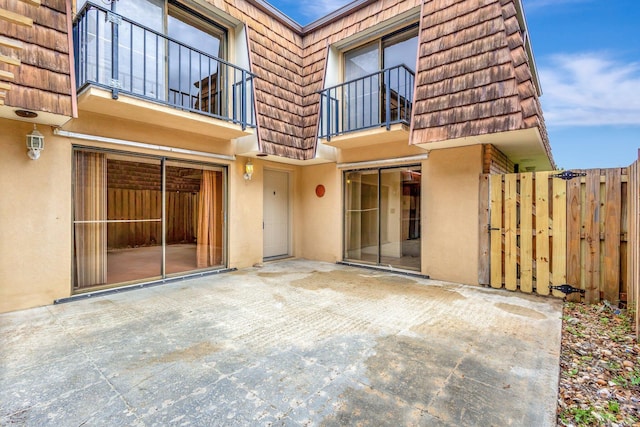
{"type": "Point", "coordinates": [35, 143]}
{"type": "Point", "coordinates": [248, 170]}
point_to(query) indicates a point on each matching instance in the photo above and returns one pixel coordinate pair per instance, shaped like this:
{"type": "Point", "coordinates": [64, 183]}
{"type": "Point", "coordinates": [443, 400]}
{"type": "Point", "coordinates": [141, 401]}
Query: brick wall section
{"type": "Point", "coordinates": [127, 175]}
{"type": "Point", "coordinates": [495, 161]}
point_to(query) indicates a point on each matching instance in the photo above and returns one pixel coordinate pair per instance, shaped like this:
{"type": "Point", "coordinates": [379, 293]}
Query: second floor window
{"type": "Point", "coordinates": [164, 52]}
{"type": "Point", "coordinates": [389, 61]}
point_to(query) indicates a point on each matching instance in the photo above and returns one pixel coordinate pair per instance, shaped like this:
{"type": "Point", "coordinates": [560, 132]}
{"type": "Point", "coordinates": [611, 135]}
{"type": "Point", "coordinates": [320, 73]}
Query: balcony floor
{"type": "Point", "coordinates": [399, 132]}
{"type": "Point", "coordinates": [99, 100]}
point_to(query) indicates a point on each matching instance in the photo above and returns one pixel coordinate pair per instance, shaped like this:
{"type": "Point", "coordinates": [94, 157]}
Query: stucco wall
{"type": "Point", "coordinates": [36, 247]}
{"type": "Point", "coordinates": [321, 219]}
{"type": "Point", "coordinates": [450, 214]}
{"type": "Point", "coordinates": [35, 219]}
{"type": "Point", "coordinates": [245, 214]}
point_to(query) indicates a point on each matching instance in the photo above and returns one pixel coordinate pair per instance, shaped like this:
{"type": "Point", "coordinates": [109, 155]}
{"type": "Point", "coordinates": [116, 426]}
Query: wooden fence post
{"type": "Point", "coordinates": [484, 277]}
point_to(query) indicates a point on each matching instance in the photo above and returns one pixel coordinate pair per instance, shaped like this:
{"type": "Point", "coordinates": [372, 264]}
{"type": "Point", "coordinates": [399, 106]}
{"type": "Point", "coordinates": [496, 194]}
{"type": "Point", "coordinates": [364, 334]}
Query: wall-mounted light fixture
{"type": "Point", "coordinates": [35, 143]}
{"type": "Point", "coordinates": [248, 170]}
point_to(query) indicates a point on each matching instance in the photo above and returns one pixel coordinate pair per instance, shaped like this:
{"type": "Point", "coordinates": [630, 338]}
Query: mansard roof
{"type": "Point", "coordinates": [474, 75]}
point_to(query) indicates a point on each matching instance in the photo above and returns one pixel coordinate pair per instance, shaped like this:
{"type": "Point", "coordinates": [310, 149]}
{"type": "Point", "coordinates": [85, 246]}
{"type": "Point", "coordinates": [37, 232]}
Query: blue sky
{"type": "Point", "coordinates": [588, 58]}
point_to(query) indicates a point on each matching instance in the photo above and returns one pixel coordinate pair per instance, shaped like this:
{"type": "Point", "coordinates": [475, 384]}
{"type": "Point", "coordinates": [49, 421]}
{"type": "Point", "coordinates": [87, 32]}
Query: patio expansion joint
{"type": "Point", "coordinates": [451, 373]}
{"type": "Point", "coordinates": [93, 364]}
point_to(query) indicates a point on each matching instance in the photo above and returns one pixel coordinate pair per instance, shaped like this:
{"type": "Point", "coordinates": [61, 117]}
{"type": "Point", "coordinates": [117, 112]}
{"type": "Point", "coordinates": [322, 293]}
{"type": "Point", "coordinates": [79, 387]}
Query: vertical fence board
{"type": "Point", "coordinates": [542, 233]}
{"type": "Point", "coordinates": [146, 209]}
{"type": "Point", "coordinates": [111, 214]}
{"type": "Point", "coordinates": [573, 236]}
{"type": "Point", "coordinates": [526, 232]}
{"type": "Point", "coordinates": [624, 234]}
{"type": "Point", "coordinates": [155, 214]}
{"type": "Point", "coordinates": [139, 215]}
{"type": "Point", "coordinates": [633, 241]}
{"type": "Point", "coordinates": [591, 221]}
{"type": "Point", "coordinates": [484, 277]}
{"type": "Point", "coordinates": [496, 231]}
{"type": "Point", "coordinates": [612, 211]}
{"type": "Point", "coordinates": [551, 231]}
{"type": "Point", "coordinates": [559, 230]}
{"type": "Point", "coordinates": [510, 232]}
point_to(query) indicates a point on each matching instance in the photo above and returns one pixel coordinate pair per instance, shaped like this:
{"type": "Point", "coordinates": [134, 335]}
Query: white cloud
{"type": "Point", "coordinates": [318, 9]}
{"type": "Point", "coordinates": [590, 89]}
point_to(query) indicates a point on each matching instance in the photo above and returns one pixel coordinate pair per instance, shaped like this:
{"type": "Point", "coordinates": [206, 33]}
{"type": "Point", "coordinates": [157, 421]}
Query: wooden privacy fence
{"type": "Point", "coordinates": [539, 230]}
{"type": "Point", "coordinates": [141, 213]}
{"type": "Point", "coordinates": [634, 239]}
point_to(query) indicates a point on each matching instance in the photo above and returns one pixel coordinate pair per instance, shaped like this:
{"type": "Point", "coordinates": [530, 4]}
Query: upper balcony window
{"type": "Point", "coordinates": [378, 86]}
{"type": "Point", "coordinates": [162, 51]}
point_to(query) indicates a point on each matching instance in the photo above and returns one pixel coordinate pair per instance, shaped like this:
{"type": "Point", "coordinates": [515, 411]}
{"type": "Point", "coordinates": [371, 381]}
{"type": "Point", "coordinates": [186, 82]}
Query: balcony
{"type": "Point", "coordinates": [372, 109]}
{"type": "Point", "coordinates": [115, 56]}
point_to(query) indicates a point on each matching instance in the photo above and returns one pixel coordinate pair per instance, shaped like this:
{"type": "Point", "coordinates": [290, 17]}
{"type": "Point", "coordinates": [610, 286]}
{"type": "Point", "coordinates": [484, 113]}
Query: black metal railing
{"type": "Point", "coordinates": [379, 99]}
{"type": "Point", "coordinates": [125, 57]}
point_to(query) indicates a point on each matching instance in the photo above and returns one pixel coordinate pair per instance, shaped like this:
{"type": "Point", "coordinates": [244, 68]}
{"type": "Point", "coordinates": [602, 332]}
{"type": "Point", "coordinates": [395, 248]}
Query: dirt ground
{"type": "Point", "coordinates": [599, 367]}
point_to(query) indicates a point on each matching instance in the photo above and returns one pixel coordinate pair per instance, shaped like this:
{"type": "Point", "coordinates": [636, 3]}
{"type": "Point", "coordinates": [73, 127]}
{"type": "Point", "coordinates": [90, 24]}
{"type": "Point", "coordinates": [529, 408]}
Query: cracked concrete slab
{"type": "Point", "coordinates": [294, 343]}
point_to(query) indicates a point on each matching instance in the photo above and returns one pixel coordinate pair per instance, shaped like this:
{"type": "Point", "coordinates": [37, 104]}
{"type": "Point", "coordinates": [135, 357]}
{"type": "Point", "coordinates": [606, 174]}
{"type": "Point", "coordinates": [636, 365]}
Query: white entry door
{"type": "Point", "coordinates": [276, 214]}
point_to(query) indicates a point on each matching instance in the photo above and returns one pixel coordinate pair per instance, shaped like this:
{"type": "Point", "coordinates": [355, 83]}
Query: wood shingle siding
{"type": "Point", "coordinates": [290, 70]}
{"type": "Point", "coordinates": [316, 50]}
{"type": "Point", "coordinates": [473, 72]}
{"type": "Point", "coordinates": [473, 75]}
{"type": "Point", "coordinates": [42, 81]}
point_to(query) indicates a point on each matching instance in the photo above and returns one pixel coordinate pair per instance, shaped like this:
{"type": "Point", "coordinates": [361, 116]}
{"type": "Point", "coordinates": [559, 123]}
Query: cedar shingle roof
{"type": "Point", "coordinates": [473, 72]}
{"type": "Point", "coordinates": [42, 80]}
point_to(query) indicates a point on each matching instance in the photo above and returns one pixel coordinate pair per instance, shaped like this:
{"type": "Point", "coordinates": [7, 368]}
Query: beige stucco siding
{"type": "Point", "coordinates": [321, 225]}
{"type": "Point", "coordinates": [450, 214]}
{"type": "Point", "coordinates": [245, 215]}
{"type": "Point", "coordinates": [35, 219]}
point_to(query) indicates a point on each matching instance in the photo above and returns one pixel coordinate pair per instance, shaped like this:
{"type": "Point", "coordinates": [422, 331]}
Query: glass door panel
{"type": "Point", "coordinates": [400, 49]}
{"type": "Point", "coordinates": [400, 217]}
{"type": "Point", "coordinates": [195, 80]}
{"type": "Point", "coordinates": [135, 218]}
{"type": "Point", "coordinates": [382, 217]}
{"type": "Point", "coordinates": [362, 97]}
{"type": "Point", "coordinates": [117, 219]}
{"type": "Point", "coordinates": [141, 52]}
{"type": "Point", "coordinates": [194, 211]}
{"type": "Point", "coordinates": [361, 216]}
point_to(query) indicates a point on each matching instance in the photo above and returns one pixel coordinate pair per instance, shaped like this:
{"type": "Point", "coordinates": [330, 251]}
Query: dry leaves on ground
{"type": "Point", "coordinates": [599, 367]}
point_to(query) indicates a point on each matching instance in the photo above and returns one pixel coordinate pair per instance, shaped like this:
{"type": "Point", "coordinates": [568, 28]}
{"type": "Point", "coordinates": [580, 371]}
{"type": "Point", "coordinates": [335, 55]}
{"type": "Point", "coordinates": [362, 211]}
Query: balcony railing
{"type": "Point", "coordinates": [122, 56]}
{"type": "Point", "coordinates": [380, 99]}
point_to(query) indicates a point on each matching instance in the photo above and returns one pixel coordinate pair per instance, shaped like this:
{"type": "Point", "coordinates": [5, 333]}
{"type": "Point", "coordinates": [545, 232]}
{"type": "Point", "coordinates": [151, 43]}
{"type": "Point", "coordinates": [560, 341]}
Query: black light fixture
{"type": "Point", "coordinates": [26, 114]}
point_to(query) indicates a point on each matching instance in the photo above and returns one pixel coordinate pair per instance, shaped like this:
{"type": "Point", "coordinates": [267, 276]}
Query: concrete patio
{"type": "Point", "coordinates": [294, 343]}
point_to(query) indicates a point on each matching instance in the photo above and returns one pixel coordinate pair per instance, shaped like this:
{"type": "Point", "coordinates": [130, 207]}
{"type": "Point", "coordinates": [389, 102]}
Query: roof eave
{"type": "Point", "coordinates": [318, 23]}
{"type": "Point", "coordinates": [529, 46]}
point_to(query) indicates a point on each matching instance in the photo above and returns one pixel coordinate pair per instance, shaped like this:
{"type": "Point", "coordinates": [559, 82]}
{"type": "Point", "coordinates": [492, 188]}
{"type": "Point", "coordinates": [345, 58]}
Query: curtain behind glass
{"type": "Point", "coordinates": [90, 214]}
{"type": "Point", "coordinates": [209, 242]}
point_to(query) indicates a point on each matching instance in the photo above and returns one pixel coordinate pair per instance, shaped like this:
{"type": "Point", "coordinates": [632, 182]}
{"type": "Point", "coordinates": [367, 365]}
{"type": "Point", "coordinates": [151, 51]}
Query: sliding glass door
{"type": "Point", "coordinates": [194, 212]}
{"type": "Point", "coordinates": [382, 216]}
{"type": "Point", "coordinates": [142, 218]}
